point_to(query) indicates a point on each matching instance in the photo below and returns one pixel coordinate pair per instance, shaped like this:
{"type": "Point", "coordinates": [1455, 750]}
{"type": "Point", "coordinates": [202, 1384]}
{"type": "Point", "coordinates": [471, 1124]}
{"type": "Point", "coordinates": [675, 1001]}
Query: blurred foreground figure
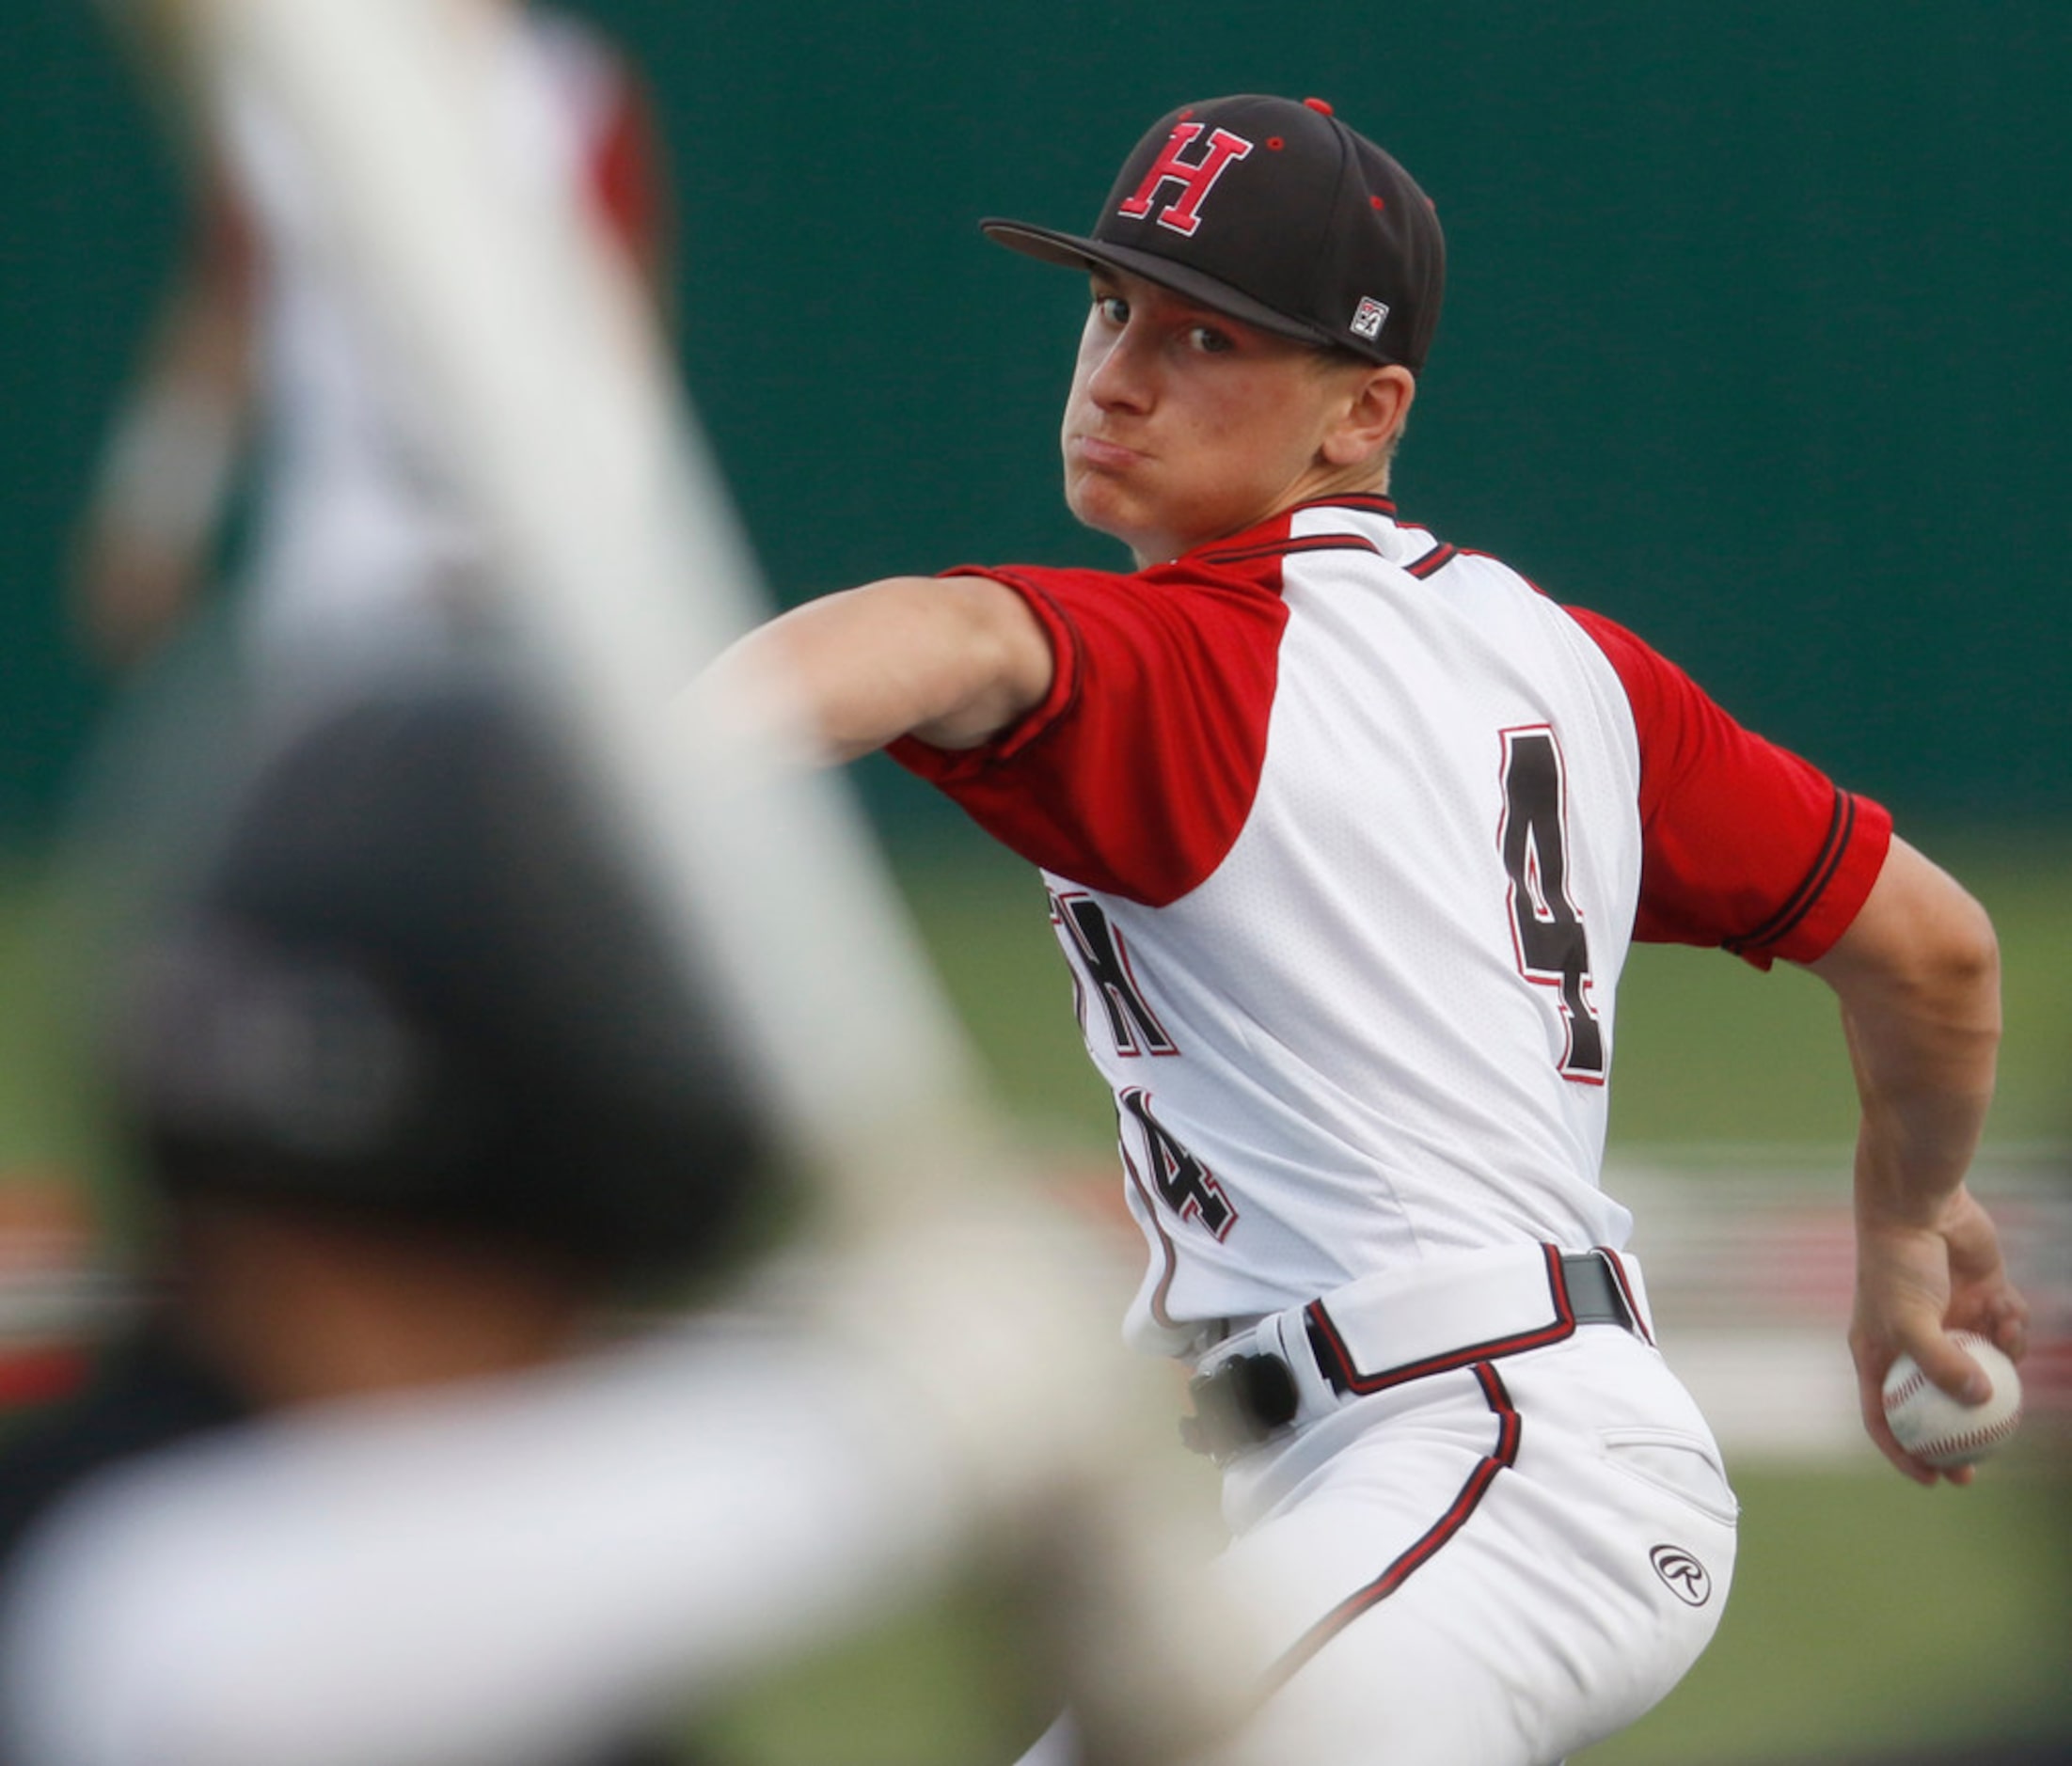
{"type": "Point", "coordinates": [422, 1089]}
{"type": "Point", "coordinates": [385, 1474]}
{"type": "Point", "coordinates": [268, 349]}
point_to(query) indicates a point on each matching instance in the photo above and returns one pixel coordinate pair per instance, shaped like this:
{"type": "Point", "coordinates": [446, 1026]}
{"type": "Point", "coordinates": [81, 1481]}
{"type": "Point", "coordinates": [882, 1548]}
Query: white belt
{"type": "Point", "coordinates": [1385, 1330]}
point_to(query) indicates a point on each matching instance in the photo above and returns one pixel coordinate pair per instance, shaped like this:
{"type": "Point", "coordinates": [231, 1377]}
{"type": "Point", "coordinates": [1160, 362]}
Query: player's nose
{"type": "Point", "coordinates": [1122, 372]}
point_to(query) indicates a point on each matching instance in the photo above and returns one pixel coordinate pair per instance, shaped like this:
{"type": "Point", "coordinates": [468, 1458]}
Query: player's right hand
{"type": "Point", "coordinates": [1915, 1284]}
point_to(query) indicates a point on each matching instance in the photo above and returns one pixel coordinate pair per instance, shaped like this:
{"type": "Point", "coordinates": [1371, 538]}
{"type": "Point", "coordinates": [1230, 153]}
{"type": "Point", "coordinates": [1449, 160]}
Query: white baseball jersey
{"type": "Point", "coordinates": [1347, 833]}
{"type": "Point", "coordinates": [357, 516]}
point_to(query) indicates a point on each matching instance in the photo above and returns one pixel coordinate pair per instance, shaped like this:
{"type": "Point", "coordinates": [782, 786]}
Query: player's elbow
{"type": "Point", "coordinates": [1961, 961]}
{"type": "Point", "coordinates": [1946, 936]}
{"type": "Point", "coordinates": [1923, 946]}
{"type": "Point", "coordinates": [1950, 975]}
{"type": "Point", "coordinates": [1967, 950]}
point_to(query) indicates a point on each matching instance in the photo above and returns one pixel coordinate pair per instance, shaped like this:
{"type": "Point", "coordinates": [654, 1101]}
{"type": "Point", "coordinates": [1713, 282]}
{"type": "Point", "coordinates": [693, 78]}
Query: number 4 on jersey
{"type": "Point", "coordinates": [1187, 1187]}
{"type": "Point", "coordinates": [1546, 929]}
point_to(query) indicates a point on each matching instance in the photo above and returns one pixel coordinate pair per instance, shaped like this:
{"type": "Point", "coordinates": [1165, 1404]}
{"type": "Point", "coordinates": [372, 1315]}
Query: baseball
{"type": "Point", "coordinates": [1934, 1427]}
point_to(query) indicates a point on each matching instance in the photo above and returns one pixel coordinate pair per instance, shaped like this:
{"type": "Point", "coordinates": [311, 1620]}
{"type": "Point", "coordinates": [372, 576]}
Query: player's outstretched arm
{"type": "Point", "coordinates": [1917, 975]}
{"type": "Point", "coordinates": [952, 660]}
{"type": "Point", "coordinates": [169, 460]}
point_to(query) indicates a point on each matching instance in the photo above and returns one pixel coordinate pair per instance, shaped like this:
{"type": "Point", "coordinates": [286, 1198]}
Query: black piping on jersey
{"type": "Point", "coordinates": [1335, 1361]}
{"type": "Point", "coordinates": [1510, 1428]}
{"type": "Point", "coordinates": [1285, 548]}
{"type": "Point", "coordinates": [1842, 825]}
{"type": "Point", "coordinates": [1372, 500]}
{"type": "Point", "coordinates": [1437, 559]}
{"type": "Point", "coordinates": [1023, 733]}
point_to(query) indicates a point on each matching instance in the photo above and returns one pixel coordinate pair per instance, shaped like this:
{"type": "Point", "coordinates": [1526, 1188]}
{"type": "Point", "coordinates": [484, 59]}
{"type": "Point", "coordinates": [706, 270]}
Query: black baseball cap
{"type": "Point", "coordinates": [1274, 212]}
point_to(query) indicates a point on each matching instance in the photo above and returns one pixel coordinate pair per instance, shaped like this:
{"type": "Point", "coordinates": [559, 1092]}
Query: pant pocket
{"type": "Point", "coordinates": [1685, 1467]}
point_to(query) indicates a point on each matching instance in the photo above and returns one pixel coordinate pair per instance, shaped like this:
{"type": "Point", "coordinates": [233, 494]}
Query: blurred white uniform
{"type": "Point", "coordinates": [358, 531]}
{"type": "Point", "coordinates": [504, 1570]}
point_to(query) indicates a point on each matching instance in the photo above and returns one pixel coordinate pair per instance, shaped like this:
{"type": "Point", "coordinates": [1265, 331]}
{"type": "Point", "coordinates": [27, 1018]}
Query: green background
{"type": "Point", "coordinates": [1753, 342]}
{"type": "Point", "coordinates": [1753, 338]}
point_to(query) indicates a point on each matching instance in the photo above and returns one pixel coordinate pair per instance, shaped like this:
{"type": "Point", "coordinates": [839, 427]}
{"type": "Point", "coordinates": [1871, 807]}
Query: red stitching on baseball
{"type": "Point", "coordinates": [1973, 1438]}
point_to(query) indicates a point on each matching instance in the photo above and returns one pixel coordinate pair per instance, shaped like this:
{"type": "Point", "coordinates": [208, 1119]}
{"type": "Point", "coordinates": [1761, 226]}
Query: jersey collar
{"type": "Point", "coordinates": [1276, 534]}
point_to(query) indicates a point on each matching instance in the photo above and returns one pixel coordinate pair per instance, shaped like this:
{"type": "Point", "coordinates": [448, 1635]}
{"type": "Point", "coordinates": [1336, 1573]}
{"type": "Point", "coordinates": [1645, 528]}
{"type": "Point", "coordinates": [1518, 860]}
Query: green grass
{"type": "Point", "coordinates": [53, 1126]}
{"type": "Point", "coordinates": [1713, 1051]}
{"type": "Point", "coordinates": [1870, 1617]}
{"type": "Point", "coordinates": [939, 1684]}
{"type": "Point", "coordinates": [982, 918]}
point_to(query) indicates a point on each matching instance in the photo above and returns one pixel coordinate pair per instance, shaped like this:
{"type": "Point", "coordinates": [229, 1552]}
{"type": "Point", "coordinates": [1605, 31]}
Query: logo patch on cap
{"type": "Point", "coordinates": [1368, 318]}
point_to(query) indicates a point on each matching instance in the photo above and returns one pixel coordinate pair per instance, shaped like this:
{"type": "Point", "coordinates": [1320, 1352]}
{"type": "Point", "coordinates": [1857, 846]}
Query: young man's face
{"type": "Point", "coordinates": [1184, 426]}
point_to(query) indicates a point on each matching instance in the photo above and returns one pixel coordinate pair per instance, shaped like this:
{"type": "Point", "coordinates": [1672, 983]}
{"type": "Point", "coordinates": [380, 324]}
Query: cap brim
{"type": "Point", "coordinates": [1073, 252]}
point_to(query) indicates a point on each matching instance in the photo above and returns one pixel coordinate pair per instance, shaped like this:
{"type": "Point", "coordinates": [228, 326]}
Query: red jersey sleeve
{"type": "Point", "coordinates": [606, 101]}
{"type": "Point", "coordinates": [1745, 845]}
{"type": "Point", "coordinates": [625, 168]}
{"type": "Point", "coordinates": [1137, 772]}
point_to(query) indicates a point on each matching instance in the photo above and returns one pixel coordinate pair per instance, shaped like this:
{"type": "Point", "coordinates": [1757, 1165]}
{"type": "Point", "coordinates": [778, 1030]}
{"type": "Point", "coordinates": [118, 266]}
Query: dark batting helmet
{"type": "Point", "coordinates": [422, 980]}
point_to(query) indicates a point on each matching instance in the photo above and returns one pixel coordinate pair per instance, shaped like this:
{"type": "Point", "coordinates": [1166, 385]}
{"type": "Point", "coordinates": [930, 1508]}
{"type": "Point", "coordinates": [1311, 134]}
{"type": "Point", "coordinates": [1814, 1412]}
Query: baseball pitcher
{"type": "Point", "coordinates": [1347, 831]}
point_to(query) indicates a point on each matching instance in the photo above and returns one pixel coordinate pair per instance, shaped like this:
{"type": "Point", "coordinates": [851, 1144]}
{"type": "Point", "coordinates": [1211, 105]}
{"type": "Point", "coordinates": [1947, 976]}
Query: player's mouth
{"type": "Point", "coordinates": [1102, 454]}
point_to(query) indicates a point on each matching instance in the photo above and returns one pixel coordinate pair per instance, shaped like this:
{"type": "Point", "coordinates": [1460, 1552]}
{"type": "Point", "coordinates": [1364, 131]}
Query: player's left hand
{"type": "Point", "coordinates": [1915, 1284]}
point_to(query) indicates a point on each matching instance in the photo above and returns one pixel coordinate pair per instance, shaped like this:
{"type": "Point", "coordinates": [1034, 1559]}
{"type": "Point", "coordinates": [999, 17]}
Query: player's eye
{"type": "Point", "coordinates": [1210, 340]}
{"type": "Point", "coordinates": [1113, 309]}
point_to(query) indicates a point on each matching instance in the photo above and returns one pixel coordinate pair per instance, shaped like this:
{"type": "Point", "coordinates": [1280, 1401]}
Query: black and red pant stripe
{"type": "Point", "coordinates": [1504, 1454]}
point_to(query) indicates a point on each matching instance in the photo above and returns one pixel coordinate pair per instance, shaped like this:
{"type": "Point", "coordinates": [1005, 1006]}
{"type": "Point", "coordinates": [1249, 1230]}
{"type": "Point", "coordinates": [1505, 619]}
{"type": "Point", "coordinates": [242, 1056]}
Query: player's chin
{"type": "Point", "coordinates": [1099, 501]}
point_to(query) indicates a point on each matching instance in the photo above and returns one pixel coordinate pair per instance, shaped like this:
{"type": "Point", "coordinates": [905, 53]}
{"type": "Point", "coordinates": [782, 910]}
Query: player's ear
{"type": "Point", "coordinates": [1375, 406]}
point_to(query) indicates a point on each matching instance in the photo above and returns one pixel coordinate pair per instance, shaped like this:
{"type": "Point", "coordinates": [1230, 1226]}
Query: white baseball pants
{"type": "Point", "coordinates": [1493, 1566]}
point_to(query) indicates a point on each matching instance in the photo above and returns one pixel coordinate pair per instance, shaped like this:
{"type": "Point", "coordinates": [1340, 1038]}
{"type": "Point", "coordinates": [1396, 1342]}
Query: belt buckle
{"type": "Point", "coordinates": [1239, 1404]}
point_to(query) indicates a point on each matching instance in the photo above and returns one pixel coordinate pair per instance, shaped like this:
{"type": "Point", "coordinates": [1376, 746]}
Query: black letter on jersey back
{"type": "Point", "coordinates": [1099, 954]}
{"type": "Point", "coordinates": [1547, 930]}
{"type": "Point", "coordinates": [1185, 1185]}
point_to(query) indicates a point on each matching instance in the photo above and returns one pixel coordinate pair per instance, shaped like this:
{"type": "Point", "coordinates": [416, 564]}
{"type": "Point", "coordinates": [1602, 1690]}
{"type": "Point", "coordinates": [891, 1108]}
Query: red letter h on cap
{"type": "Point", "coordinates": [1196, 180]}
